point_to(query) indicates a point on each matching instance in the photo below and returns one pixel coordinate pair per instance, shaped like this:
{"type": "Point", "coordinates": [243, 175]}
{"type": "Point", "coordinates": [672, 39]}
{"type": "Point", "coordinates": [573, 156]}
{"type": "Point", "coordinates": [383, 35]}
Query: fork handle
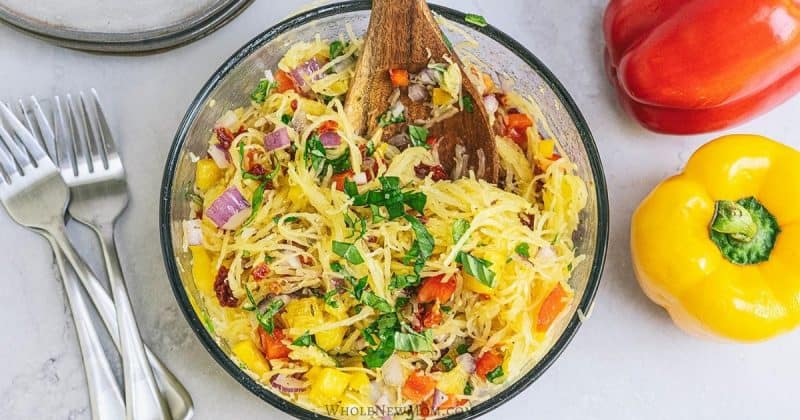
{"type": "Point", "coordinates": [142, 399]}
{"type": "Point", "coordinates": [179, 400]}
{"type": "Point", "coordinates": [104, 395]}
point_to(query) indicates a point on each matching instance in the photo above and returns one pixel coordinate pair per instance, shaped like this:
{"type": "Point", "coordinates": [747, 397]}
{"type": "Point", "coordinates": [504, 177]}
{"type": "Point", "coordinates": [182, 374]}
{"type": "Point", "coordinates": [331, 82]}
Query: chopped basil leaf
{"type": "Point", "coordinates": [422, 247]}
{"type": "Point", "coordinates": [286, 119]}
{"type": "Point", "coordinates": [258, 198]}
{"type": "Point", "coordinates": [340, 163]}
{"type": "Point", "coordinates": [376, 213]}
{"type": "Point", "coordinates": [370, 150]}
{"type": "Point", "coordinates": [476, 20]}
{"type": "Point", "coordinates": [495, 374]}
{"type": "Point", "coordinates": [315, 152]}
{"type": "Point", "coordinates": [446, 309]}
{"type": "Point", "coordinates": [265, 318]}
{"type": "Point", "coordinates": [466, 102]}
{"type": "Point", "coordinates": [304, 340]}
{"type": "Point", "coordinates": [460, 227]}
{"type": "Point", "coordinates": [337, 48]}
{"type": "Point", "coordinates": [261, 91]}
{"type": "Point", "coordinates": [419, 136]}
{"type": "Point", "coordinates": [415, 200]}
{"type": "Point", "coordinates": [462, 348]}
{"type": "Point", "coordinates": [402, 281]}
{"type": "Point", "coordinates": [448, 363]}
{"type": "Point", "coordinates": [376, 302]}
{"type": "Point", "coordinates": [447, 42]}
{"type": "Point", "coordinates": [347, 251]}
{"type": "Point", "coordinates": [375, 358]}
{"type": "Point", "coordinates": [330, 299]}
{"type": "Point", "coordinates": [250, 299]}
{"type": "Point", "coordinates": [401, 302]}
{"type": "Point", "coordinates": [441, 68]}
{"type": "Point", "coordinates": [413, 341]}
{"type": "Point", "coordinates": [290, 219]}
{"type": "Point", "coordinates": [477, 267]}
{"type": "Point", "coordinates": [468, 388]}
{"type": "Point", "coordinates": [389, 118]}
{"type": "Point", "coordinates": [523, 249]}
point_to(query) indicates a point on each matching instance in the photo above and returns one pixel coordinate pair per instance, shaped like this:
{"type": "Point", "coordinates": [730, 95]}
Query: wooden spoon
{"type": "Point", "coordinates": [401, 35]}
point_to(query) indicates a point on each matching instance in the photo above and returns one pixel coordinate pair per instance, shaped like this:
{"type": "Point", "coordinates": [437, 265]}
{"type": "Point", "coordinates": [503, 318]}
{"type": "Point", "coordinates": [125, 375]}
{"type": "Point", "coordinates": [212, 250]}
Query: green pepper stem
{"type": "Point", "coordinates": [731, 218]}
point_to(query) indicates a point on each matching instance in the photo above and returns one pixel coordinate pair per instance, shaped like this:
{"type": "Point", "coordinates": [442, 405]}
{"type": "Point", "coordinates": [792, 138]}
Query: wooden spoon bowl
{"type": "Point", "coordinates": [403, 34]}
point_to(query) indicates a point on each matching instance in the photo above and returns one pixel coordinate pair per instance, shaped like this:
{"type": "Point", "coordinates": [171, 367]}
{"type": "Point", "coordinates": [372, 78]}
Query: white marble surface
{"type": "Point", "coordinates": [627, 362]}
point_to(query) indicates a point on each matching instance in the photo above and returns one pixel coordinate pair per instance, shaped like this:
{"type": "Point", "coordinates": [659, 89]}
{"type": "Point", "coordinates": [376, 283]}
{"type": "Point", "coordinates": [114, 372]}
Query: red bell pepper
{"type": "Point", "coordinates": [695, 66]}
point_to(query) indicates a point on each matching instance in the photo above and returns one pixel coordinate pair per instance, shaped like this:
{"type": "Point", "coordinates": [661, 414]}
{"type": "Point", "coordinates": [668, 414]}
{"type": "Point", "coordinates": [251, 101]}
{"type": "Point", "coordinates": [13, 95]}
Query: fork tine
{"type": "Point", "coordinates": [65, 158]}
{"type": "Point", "coordinates": [18, 154]}
{"type": "Point", "coordinates": [8, 168]}
{"type": "Point", "coordinates": [95, 137]}
{"type": "Point", "coordinates": [31, 145]}
{"type": "Point", "coordinates": [108, 140]}
{"type": "Point", "coordinates": [46, 130]}
{"type": "Point", "coordinates": [78, 133]}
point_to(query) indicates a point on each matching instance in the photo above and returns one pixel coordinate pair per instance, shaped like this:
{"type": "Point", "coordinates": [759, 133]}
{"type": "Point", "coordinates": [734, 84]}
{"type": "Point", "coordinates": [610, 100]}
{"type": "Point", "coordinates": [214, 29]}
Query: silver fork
{"type": "Point", "coordinates": [86, 154]}
{"type": "Point", "coordinates": [24, 180]}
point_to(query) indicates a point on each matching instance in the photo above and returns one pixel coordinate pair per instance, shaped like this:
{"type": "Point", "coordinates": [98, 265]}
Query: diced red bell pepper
{"type": "Point", "coordinates": [285, 81]}
{"type": "Point", "coordinates": [518, 121]}
{"type": "Point", "coordinates": [328, 126]}
{"type": "Point", "coordinates": [436, 288]}
{"type": "Point", "coordinates": [418, 387]}
{"type": "Point", "coordinates": [260, 272]}
{"type": "Point", "coordinates": [552, 305]}
{"type": "Point", "coordinates": [488, 362]}
{"type": "Point", "coordinates": [399, 77]}
{"type": "Point", "coordinates": [338, 179]}
{"type": "Point", "coordinates": [272, 345]}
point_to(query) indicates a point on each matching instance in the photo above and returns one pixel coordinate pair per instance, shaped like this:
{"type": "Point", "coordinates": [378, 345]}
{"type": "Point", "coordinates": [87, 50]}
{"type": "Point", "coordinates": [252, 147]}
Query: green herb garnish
{"type": "Point", "coordinates": [260, 93]}
{"type": "Point", "coordinates": [467, 104]}
{"type": "Point", "coordinates": [495, 374]}
{"type": "Point", "coordinates": [348, 251]}
{"type": "Point", "coordinates": [337, 48]}
{"type": "Point", "coordinates": [477, 267]}
{"type": "Point", "coordinates": [413, 341]}
{"type": "Point", "coordinates": [419, 136]}
{"type": "Point", "coordinates": [304, 340]}
{"type": "Point", "coordinates": [265, 318]}
{"type": "Point", "coordinates": [448, 363]}
{"type": "Point", "coordinates": [286, 119]}
{"type": "Point", "coordinates": [523, 249]}
{"type": "Point", "coordinates": [476, 20]}
{"type": "Point", "coordinates": [330, 298]}
{"type": "Point", "coordinates": [389, 117]}
{"type": "Point", "coordinates": [462, 348]}
{"type": "Point", "coordinates": [468, 388]}
{"type": "Point", "coordinates": [460, 227]}
{"type": "Point", "coordinates": [376, 302]}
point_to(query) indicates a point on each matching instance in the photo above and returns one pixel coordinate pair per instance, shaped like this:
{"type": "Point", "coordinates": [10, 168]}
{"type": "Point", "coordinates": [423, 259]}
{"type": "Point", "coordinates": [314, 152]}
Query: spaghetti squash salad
{"type": "Point", "coordinates": [350, 274]}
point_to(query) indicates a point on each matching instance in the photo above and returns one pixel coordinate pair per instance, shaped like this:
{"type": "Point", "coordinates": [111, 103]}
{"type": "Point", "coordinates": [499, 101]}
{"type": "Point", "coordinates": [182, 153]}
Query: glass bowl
{"type": "Point", "coordinates": [229, 87]}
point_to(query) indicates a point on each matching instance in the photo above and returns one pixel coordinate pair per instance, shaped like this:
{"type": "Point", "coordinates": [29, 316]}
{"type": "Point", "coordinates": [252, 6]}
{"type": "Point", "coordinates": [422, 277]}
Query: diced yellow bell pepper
{"type": "Point", "coordinates": [441, 97]}
{"type": "Point", "coordinates": [547, 148]}
{"type": "Point", "coordinates": [359, 382]}
{"type": "Point", "coordinates": [330, 339]}
{"type": "Point", "coordinates": [313, 373]}
{"type": "Point", "coordinates": [312, 107]}
{"type": "Point", "coordinates": [312, 355]}
{"type": "Point", "coordinates": [328, 386]}
{"type": "Point", "coordinates": [247, 352]}
{"type": "Point", "coordinates": [474, 285]}
{"type": "Point", "coordinates": [304, 313]}
{"type": "Point", "coordinates": [207, 173]}
{"type": "Point", "coordinates": [453, 382]}
{"type": "Point", "coordinates": [339, 87]}
{"type": "Point", "coordinates": [297, 198]}
{"type": "Point", "coordinates": [202, 270]}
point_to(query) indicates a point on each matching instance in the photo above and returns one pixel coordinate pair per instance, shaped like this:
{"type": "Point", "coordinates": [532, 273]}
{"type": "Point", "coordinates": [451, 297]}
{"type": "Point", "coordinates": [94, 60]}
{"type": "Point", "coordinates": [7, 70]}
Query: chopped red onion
{"type": "Point", "coordinates": [303, 74]}
{"type": "Point", "coordinates": [220, 155]}
{"type": "Point", "coordinates": [278, 139]}
{"type": "Point", "coordinates": [439, 398]}
{"type": "Point", "coordinates": [192, 232]}
{"type": "Point", "coordinates": [429, 77]}
{"type": "Point", "coordinates": [491, 104]}
{"type": "Point", "coordinates": [227, 120]}
{"type": "Point", "coordinates": [330, 139]}
{"type": "Point", "coordinates": [287, 384]}
{"type": "Point", "coordinates": [360, 178]}
{"type": "Point", "coordinates": [417, 92]}
{"type": "Point", "coordinates": [466, 362]}
{"type": "Point", "coordinates": [229, 210]}
{"type": "Point", "coordinates": [392, 371]}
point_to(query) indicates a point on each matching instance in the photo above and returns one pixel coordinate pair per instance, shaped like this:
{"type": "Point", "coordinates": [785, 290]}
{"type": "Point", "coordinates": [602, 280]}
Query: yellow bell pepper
{"type": "Point", "coordinates": [207, 173]}
{"type": "Point", "coordinates": [328, 386]}
{"type": "Point", "coordinates": [202, 271]}
{"type": "Point", "coordinates": [251, 356]}
{"type": "Point", "coordinates": [717, 245]}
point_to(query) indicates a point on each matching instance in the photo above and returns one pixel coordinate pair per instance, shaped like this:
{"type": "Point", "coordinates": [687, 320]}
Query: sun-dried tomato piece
{"type": "Point", "coordinates": [423, 170]}
{"type": "Point", "coordinates": [261, 272]}
{"type": "Point", "coordinates": [224, 136]}
{"type": "Point", "coordinates": [223, 289]}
